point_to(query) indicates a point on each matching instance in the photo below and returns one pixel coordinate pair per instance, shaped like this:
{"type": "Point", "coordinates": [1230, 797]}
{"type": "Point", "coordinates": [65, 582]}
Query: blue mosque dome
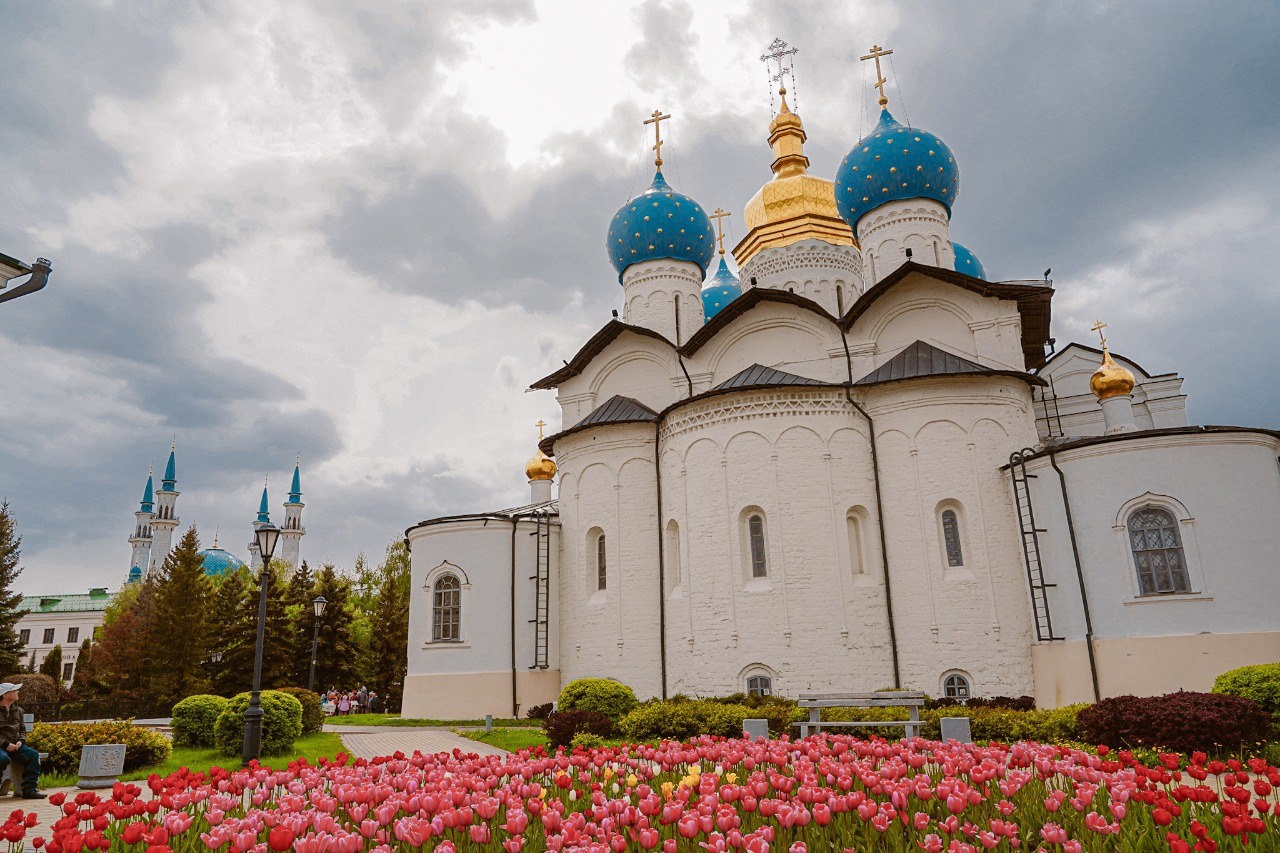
{"type": "Point", "coordinates": [721, 289]}
{"type": "Point", "coordinates": [135, 574]}
{"type": "Point", "coordinates": [660, 223]}
{"type": "Point", "coordinates": [967, 262]}
{"type": "Point", "coordinates": [892, 163]}
{"type": "Point", "coordinates": [218, 562]}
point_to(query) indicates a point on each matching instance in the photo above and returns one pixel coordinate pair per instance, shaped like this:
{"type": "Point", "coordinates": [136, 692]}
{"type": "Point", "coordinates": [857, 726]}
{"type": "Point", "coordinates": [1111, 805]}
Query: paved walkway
{"type": "Point", "coordinates": [373, 741]}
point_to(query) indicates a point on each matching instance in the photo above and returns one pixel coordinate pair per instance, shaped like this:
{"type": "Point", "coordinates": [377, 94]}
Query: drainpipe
{"type": "Point", "coordinates": [884, 541]}
{"type": "Point", "coordinates": [1084, 596]}
{"type": "Point", "coordinates": [515, 704]}
{"type": "Point", "coordinates": [662, 571]}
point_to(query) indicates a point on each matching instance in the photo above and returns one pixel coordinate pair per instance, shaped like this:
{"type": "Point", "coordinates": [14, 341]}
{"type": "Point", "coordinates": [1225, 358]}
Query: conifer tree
{"type": "Point", "coordinates": [122, 657]}
{"type": "Point", "coordinates": [301, 615]}
{"type": "Point", "coordinates": [337, 661]}
{"type": "Point", "coordinates": [238, 638]}
{"type": "Point", "coordinates": [10, 602]}
{"type": "Point", "coordinates": [180, 623]}
{"type": "Point", "coordinates": [52, 664]}
{"type": "Point", "coordinates": [389, 639]}
{"type": "Point", "coordinates": [83, 680]}
{"type": "Point", "coordinates": [232, 634]}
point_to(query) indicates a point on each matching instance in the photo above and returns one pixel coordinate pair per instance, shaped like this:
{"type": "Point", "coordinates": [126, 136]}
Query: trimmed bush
{"type": "Point", "coordinates": [587, 741]}
{"type": "Point", "coordinates": [281, 723]}
{"type": "Point", "coordinates": [539, 712]}
{"type": "Point", "coordinates": [194, 719]}
{"type": "Point", "coordinates": [562, 726]}
{"type": "Point", "coordinates": [312, 712]}
{"type": "Point", "coordinates": [1260, 682]}
{"type": "Point", "coordinates": [36, 688]}
{"type": "Point", "coordinates": [685, 718]}
{"type": "Point", "coordinates": [143, 747]}
{"type": "Point", "coordinates": [602, 695]}
{"type": "Point", "coordinates": [1182, 722]}
{"type": "Point", "coordinates": [986, 723]}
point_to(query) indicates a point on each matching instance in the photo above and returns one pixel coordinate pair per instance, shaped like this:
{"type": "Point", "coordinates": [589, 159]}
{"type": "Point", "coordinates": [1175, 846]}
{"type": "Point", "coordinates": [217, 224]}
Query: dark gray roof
{"type": "Point", "coordinates": [618, 409]}
{"type": "Point", "coordinates": [921, 359]}
{"type": "Point", "coordinates": [757, 375]}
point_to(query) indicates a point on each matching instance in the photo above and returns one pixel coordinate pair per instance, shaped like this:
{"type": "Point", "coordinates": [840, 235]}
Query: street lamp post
{"type": "Point", "coordinates": [267, 536]}
{"type": "Point", "coordinates": [318, 605]}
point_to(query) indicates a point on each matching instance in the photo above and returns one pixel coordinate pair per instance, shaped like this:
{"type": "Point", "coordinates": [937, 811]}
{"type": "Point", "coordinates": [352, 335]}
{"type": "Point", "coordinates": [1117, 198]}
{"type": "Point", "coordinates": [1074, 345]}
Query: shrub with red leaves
{"type": "Point", "coordinates": [1183, 722]}
{"type": "Point", "coordinates": [562, 726]}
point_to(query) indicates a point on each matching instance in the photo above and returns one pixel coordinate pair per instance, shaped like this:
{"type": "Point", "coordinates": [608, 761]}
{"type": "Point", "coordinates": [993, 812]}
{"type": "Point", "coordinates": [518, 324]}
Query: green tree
{"type": "Point", "coordinates": [232, 630]}
{"type": "Point", "coordinates": [237, 638]}
{"type": "Point", "coordinates": [299, 594]}
{"type": "Point", "coordinates": [389, 639]}
{"type": "Point", "coordinates": [122, 657]}
{"type": "Point", "coordinates": [183, 593]}
{"type": "Point", "coordinates": [83, 680]}
{"type": "Point", "coordinates": [52, 664]}
{"type": "Point", "coordinates": [10, 602]}
{"type": "Point", "coordinates": [337, 664]}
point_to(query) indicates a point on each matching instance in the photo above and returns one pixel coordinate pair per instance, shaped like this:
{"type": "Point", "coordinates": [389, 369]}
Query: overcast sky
{"type": "Point", "coordinates": [358, 229]}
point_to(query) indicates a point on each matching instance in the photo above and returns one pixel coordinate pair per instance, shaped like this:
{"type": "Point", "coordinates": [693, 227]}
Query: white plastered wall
{"type": "Point", "coordinates": [650, 290]}
{"type": "Point", "coordinates": [829, 274]}
{"type": "Point", "coordinates": [1158, 400]}
{"type": "Point", "coordinates": [885, 234]}
{"type": "Point", "coordinates": [1224, 490]}
{"type": "Point", "coordinates": [778, 335]}
{"type": "Point", "coordinates": [632, 365]}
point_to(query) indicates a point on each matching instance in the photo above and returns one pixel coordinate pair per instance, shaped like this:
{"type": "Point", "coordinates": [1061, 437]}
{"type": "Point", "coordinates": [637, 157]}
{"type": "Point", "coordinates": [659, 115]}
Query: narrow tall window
{"type": "Point", "coordinates": [601, 571]}
{"type": "Point", "coordinates": [759, 685]}
{"type": "Point", "coordinates": [24, 636]}
{"type": "Point", "coordinates": [951, 537]}
{"type": "Point", "coordinates": [73, 635]}
{"type": "Point", "coordinates": [1157, 552]}
{"type": "Point", "coordinates": [68, 670]}
{"type": "Point", "coordinates": [839, 300]}
{"type": "Point", "coordinates": [956, 686]}
{"type": "Point", "coordinates": [755, 532]}
{"type": "Point", "coordinates": [446, 623]}
{"type": "Point", "coordinates": [672, 555]}
{"type": "Point", "coordinates": [48, 636]}
{"type": "Point", "coordinates": [854, 525]}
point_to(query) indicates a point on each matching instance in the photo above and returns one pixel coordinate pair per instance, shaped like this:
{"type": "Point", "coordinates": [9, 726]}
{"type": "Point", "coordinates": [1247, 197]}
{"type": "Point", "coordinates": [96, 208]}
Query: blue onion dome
{"type": "Point", "coordinates": [660, 223]}
{"type": "Point", "coordinates": [135, 574]}
{"type": "Point", "coordinates": [721, 289]}
{"type": "Point", "coordinates": [892, 163]}
{"type": "Point", "coordinates": [218, 562]}
{"type": "Point", "coordinates": [967, 262]}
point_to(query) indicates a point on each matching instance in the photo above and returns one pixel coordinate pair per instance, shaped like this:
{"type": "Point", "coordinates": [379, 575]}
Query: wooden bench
{"type": "Point", "coordinates": [815, 702]}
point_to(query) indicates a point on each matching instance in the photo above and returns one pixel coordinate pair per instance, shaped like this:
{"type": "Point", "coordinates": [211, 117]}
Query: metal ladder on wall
{"type": "Point", "coordinates": [1030, 535]}
{"type": "Point", "coordinates": [542, 588]}
{"type": "Point", "coordinates": [1048, 398]}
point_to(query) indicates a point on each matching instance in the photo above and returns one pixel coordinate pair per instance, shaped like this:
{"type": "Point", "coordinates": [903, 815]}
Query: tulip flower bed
{"type": "Point", "coordinates": [825, 793]}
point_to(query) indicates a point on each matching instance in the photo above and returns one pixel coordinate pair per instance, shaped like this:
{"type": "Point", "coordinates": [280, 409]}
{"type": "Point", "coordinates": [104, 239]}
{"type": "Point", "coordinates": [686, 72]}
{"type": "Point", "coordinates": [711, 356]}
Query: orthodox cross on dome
{"type": "Point", "coordinates": [540, 424]}
{"type": "Point", "coordinates": [780, 53]}
{"type": "Point", "coordinates": [719, 216]}
{"type": "Point", "coordinates": [1098, 326]}
{"type": "Point", "coordinates": [876, 52]}
{"type": "Point", "coordinates": [656, 120]}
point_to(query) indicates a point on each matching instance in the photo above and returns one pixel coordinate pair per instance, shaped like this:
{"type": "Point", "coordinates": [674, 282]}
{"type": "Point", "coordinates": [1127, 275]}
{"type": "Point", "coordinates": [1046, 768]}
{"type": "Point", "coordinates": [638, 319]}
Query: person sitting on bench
{"type": "Point", "coordinates": [12, 746]}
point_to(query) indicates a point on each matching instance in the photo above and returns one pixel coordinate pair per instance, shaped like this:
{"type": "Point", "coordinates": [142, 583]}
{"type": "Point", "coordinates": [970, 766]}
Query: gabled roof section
{"type": "Point", "coordinates": [1076, 345]}
{"type": "Point", "coordinates": [759, 376]}
{"type": "Point", "coordinates": [1033, 302]}
{"type": "Point", "coordinates": [616, 410]}
{"type": "Point", "coordinates": [750, 299]}
{"type": "Point", "coordinates": [591, 349]}
{"type": "Point", "coordinates": [920, 360]}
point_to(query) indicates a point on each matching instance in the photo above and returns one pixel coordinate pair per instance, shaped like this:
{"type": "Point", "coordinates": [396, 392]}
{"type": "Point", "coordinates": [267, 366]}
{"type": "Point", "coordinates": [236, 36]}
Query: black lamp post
{"type": "Point", "coordinates": [267, 536]}
{"type": "Point", "coordinates": [319, 604]}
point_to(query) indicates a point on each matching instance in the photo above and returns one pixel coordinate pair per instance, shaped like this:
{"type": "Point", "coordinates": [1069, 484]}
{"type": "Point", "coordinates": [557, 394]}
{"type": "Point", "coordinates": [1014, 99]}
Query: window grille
{"type": "Point", "coordinates": [601, 573]}
{"type": "Point", "coordinates": [447, 610]}
{"type": "Point", "coordinates": [73, 635]}
{"type": "Point", "coordinates": [24, 636]}
{"type": "Point", "coordinates": [956, 686]}
{"type": "Point", "coordinates": [951, 537]}
{"type": "Point", "coordinates": [48, 636]}
{"type": "Point", "coordinates": [1157, 552]}
{"type": "Point", "coordinates": [759, 685]}
{"type": "Point", "coordinates": [755, 531]}
{"type": "Point", "coordinates": [68, 670]}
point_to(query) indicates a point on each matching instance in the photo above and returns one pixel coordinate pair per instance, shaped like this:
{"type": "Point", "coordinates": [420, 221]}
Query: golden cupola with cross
{"type": "Point", "coordinates": [795, 205]}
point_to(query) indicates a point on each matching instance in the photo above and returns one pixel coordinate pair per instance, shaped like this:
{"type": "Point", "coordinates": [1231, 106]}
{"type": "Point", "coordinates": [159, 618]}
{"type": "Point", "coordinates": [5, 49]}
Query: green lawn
{"type": "Point", "coordinates": [311, 747]}
{"type": "Point", "coordinates": [510, 739]}
{"type": "Point", "coordinates": [397, 720]}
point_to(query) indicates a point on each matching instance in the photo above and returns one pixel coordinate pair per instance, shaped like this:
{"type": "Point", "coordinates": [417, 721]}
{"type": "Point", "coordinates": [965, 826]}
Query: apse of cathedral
{"type": "Point", "coordinates": [857, 462]}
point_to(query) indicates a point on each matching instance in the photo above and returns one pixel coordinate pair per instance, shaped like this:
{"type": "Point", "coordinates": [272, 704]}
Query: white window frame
{"type": "Point", "coordinates": [1190, 550]}
{"type": "Point", "coordinates": [464, 609]}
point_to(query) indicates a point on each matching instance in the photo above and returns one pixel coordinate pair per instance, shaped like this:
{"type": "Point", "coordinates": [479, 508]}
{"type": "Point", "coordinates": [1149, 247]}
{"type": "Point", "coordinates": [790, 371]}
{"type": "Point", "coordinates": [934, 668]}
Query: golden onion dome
{"type": "Point", "coordinates": [540, 467]}
{"type": "Point", "coordinates": [1110, 379]}
{"type": "Point", "coordinates": [795, 205]}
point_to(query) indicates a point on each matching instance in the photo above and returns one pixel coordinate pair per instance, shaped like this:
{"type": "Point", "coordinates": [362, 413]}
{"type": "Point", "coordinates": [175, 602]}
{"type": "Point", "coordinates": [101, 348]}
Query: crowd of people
{"type": "Point", "coordinates": [343, 703]}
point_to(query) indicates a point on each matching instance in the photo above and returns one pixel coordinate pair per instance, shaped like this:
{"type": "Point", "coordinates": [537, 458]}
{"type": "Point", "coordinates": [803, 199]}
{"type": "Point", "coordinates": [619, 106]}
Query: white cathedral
{"type": "Point", "coordinates": [157, 519]}
{"type": "Point", "coordinates": [856, 465]}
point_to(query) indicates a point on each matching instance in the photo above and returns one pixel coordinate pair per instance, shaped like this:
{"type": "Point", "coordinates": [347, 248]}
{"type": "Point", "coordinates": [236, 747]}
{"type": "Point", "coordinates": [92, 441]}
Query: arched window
{"type": "Point", "coordinates": [956, 686]}
{"type": "Point", "coordinates": [853, 523]}
{"type": "Point", "coordinates": [672, 555]}
{"type": "Point", "coordinates": [759, 685]}
{"type": "Point", "coordinates": [755, 539]}
{"type": "Point", "coordinates": [446, 610]}
{"type": "Point", "coordinates": [840, 300]}
{"type": "Point", "coordinates": [601, 562]}
{"type": "Point", "coordinates": [1157, 552]}
{"type": "Point", "coordinates": [951, 537]}
{"type": "Point", "coordinates": [676, 300]}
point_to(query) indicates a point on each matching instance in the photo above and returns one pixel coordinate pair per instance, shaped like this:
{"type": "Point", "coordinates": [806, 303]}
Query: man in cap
{"type": "Point", "coordinates": [12, 731]}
